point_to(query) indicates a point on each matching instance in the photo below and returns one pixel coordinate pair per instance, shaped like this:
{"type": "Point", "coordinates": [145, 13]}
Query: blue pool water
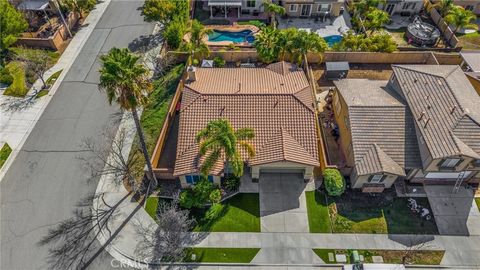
{"type": "Point", "coordinates": [235, 37]}
{"type": "Point", "coordinates": [332, 40]}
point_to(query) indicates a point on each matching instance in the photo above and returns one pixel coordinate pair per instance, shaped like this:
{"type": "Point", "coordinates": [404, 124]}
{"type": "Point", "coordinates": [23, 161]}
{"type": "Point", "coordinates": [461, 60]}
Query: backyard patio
{"type": "Point", "coordinates": [324, 27]}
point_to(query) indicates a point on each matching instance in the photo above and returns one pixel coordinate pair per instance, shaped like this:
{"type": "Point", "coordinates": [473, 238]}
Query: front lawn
{"type": "Point", "coordinates": [241, 214]}
{"type": "Point", "coordinates": [155, 112]}
{"type": "Point", "coordinates": [317, 209]}
{"type": "Point", "coordinates": [477, 200]}
{"type": "Point", "coordinates": [425, 257]}
{"type": "Point", "coordinates": [221, 255]}
{"type": "Point", "coordinates": [4, 153]}
{"type": "Point", "coordinates": [355, 212]}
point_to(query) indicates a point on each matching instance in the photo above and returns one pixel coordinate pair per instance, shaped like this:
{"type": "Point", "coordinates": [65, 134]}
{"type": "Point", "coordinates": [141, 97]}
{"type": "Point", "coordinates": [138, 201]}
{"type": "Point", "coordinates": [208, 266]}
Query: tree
{"type": "Point", "coordinates": [266, 44]}
{"type": "Point", "coordinates": [200, 194]}
{"type": "Point", "coordinates": [361, 7]}
{"type": "Point", "coordinates": [165, 12]}
{"type": "Point", "coordinates": [38, 62]}
{"type": "Point", "coordinates": [196, 46]}
{"type": "Point", "coordinates": [12, 24]}
{"type": "Point", "coordinates": [167, 241]}
{"type": "Point", "coordinates": [80, 6]}
{"type": "Point", "coordinates": [218, 140]}
{"type": "Point", "coordinates": [334, 182]}
{"type": "Point", "coordinates": [107, 158]}
{"type": "Point", "coordinates": [461, 18]}
{"type": "Point", "coordinates": [443, 6]}
{"type": "Point", "coordinates": [174, 33]}
{"type": "Point", "coordinates": [380, 42]}
{"type": "Point", "coordinates": [304, 42]}
{"type": "Point", "coordinates": [273, 9]}
{"type": "Point", "coordinates": [375, 19]}
{"type": "Point", "coordinates": [126, 83]}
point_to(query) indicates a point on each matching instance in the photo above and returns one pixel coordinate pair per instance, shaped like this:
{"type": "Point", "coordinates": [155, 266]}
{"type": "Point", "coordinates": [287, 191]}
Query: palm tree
{"type": "Point", "coordinates": [197, 45]}
{"type": "Point", "coordinates": [304, 42]}
{"type": "Point", "coordinates": [461, 18]}
{"type": "Point", "coordinates": [218, 139]}
{"type": "Point", "coordinates": [273, 9]}
{"type": "Point", "coordinates": [375, 19]}
{"type": "Point", "coordinates": [443, 6]}
{"type": "Point", "coordinates": [126, 83]}
{"type": "Point", "coordinates": [266, 44]}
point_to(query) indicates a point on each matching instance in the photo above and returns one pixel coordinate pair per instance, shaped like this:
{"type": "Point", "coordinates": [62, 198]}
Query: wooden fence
{"type": "Point", "coordinates": [449, 35]}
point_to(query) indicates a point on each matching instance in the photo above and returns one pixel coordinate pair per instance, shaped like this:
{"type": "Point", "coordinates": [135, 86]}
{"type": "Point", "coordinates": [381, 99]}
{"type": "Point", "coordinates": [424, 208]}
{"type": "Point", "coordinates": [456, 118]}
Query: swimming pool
{"type": "Point", "coordinates": [235, 37]}
{"type": "Point", "coordinates": [332, 40]}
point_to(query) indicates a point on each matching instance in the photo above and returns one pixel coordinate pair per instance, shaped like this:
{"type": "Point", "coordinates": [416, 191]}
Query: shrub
{"type": "Point", "coordinates": [231, 183]}
{"type": "Point", "coordinates": [215, 211]}
{"type": "Point", "coordinates": [218, 62]}
{"type": "Point", "coordinates": [257, 23]}
{"type": "Point", "coordinates": [18, 87]}
{"type": "Point", "coordinates": [5, 77]}
{"type": "Point", "coordinates": [334, 182]}
{"type": "Point", "coordinates": [195, 62]}
{"type": "Point", "coordinates": [174, 33]}
{"type": "Point", "coordinates": [215, 196]}
{"type": "Point", "coordinates": [199, 195]}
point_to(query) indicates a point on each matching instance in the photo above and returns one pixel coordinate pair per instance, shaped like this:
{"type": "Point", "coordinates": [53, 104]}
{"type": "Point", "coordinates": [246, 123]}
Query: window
{"type": "Point", "coordinates": [293, 8]}
{"type": "Point", "coordinates": [251, 3]}
{"type": "Point", "coordinates": [469, 7]}
{"type": "Point", "coordinates": [476, 163]}
{"type": "Point", "coordinates": [377, 178]}
{"type": "Point", "coordinates": [409, 6]}
{"type": "Point", "coordinates": [192, 179]}
{"type": "Point", "coordinates": [449, 163]}
{"type": "Point", "coordinates": [324, 7]}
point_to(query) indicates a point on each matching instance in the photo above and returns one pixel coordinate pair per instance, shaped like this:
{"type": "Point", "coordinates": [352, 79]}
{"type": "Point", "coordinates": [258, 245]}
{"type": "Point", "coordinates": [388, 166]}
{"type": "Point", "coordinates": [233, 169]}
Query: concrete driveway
{"type": "Point", "coordinates": [282, 203]}
{"type": "Point", "coordinates": [455, 213]}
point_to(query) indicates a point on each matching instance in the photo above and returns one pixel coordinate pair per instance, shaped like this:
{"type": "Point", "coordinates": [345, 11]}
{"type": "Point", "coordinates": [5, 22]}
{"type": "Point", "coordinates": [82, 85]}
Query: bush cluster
{"type": "Point", "coordinates": [334, 182]}
{"type": "Point", "coordinates": [200, 194]}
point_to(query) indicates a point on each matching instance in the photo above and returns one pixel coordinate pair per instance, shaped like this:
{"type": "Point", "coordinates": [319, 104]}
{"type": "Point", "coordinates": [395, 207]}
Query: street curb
{"type": "Point", "coordinates": [92, 20]}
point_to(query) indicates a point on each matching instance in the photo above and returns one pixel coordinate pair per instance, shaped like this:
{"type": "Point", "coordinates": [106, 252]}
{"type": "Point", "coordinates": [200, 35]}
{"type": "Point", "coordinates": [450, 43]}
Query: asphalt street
{"type": "Point", "coordinates": [47, 180]}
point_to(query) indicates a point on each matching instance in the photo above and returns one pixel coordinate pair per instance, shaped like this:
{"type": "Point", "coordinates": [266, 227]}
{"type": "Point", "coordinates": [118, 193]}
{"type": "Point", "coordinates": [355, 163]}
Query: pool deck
{"type": "Point", "coordinates": [330, 27]}
{"type": "Point", "coordinates": [232, 28]}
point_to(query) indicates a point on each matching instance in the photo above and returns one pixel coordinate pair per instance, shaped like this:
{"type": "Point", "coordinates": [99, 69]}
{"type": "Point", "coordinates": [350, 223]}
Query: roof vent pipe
{"type": "Point", "coordinates": [453, 109]}
{"type": "Point", "coordinates": [421, 115]}
{"type": "Point", "coordinates": [192, 73]}
{"type": "Point", "coordinates": [426, 122]}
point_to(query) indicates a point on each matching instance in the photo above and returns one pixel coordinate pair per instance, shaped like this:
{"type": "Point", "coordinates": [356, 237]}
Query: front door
{"type": "Point", "coordinates": [390, 8]}
{"type": "Point", "coordinates": [306, 10]}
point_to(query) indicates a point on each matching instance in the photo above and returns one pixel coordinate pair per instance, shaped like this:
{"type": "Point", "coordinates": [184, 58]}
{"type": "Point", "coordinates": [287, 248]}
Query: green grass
{"type": "Point", "coordinates": [221, 255]}
{"type": "Point", "coordinates": [318, 220]}
{"type": "Point", "coordinates": [256, 23]}
{"type": "Point", "coordinates": [241, 214]}
{"type": "Point", "coordinates": [41, 93]}
{"type": "Point", "coordinates": [52, 58]}
{"type": "Point", "coordinates": [155, 112]}
{"type": "Point", "coordinates": [151, 206]}
{"type": "Point", "coordinates": [469, 41]}
{"type": "Point", "coordinates": [4, 153]}
{"type": "Point", "coordinates": [356, 216]}
{"type": "Point", "coordinates": [477, 200]}
{"type": "Point", "coordinates": [18, 88]}
{"type": "Point", "coordinates": [424, 257]}
{"type": "Point", "coordinates": [53, 78]}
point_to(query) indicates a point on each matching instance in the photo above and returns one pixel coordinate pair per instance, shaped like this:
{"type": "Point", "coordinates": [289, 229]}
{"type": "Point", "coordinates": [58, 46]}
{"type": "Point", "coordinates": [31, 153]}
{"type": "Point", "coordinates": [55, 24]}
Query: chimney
{"type": "Point", "coordinates": [192, 73]}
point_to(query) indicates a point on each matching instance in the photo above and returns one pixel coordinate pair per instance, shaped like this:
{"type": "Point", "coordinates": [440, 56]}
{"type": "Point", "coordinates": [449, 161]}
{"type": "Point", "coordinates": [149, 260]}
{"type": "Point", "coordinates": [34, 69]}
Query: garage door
{"type": "Point", "coordinates": [282, 170]}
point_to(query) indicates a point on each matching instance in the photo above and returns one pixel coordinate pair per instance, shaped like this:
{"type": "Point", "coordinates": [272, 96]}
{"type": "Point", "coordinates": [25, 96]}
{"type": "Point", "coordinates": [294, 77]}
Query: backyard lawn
{"type": "Point", "coordinates": [470, 41]}
{"type": "Point", "coordinates": [241, 213]}
{"type": "Point", "coordinates": [425, 257]}
{"type": "Point", "coordinates": [359, 213]}
{"type": "Point", "coordinates": [221, 255]}
{"type": "Point", "coordinates": [4, 153]}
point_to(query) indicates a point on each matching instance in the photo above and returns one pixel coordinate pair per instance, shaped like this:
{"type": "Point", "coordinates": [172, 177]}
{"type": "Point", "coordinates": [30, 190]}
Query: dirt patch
{"type": "Point", "coordinates": [357, 71]}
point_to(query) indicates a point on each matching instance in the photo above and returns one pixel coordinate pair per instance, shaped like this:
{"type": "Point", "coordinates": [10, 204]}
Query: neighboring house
{"type": "Point", "coordinates": [471, 66]}
{"type": "Point", "coordinates": [422, 125]}
{"type": "Point", "coordinates": [251, 7]}
{"type": "Point", "coordinates": [276, 102]}
{"type": "Point", "coordinates": [402, 7]}
{"type": "Point", "coordinates": [308, 8]}
{"type": "Point", "coordinates": [472, 5]}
